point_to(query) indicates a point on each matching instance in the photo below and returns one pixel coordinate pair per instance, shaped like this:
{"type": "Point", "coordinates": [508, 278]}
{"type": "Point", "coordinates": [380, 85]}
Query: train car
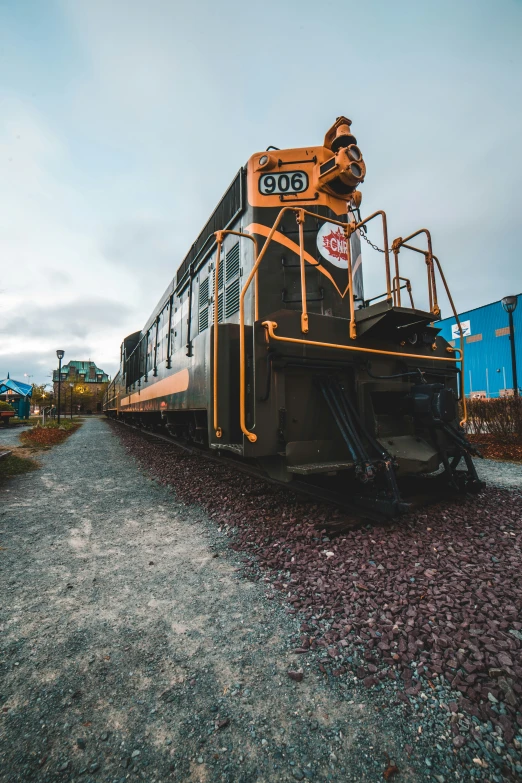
{"type": "Point", "coordinates": [263, 344]}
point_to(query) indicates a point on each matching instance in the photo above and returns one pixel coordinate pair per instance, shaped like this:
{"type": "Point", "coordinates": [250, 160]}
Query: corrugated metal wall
{"type": "Point", "coordinates": [487, 350]}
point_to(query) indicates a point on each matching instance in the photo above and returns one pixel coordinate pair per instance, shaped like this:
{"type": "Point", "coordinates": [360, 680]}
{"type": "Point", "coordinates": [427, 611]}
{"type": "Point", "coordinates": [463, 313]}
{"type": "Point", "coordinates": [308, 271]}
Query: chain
{"type": "Point", "coordinates": [364, 236]}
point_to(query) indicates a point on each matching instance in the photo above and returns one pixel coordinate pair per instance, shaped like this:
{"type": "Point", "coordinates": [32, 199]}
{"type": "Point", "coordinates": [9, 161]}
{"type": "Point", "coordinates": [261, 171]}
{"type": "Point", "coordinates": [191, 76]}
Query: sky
{"type": "Point", "coordinates": [122, 122]}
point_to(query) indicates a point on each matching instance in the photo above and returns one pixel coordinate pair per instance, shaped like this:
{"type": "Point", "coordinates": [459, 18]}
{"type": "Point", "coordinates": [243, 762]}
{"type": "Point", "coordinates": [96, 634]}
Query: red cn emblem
{"type": "Point", "coordinates": [331, 244]}
{"type": "Point", "coordinates": [335, 244]}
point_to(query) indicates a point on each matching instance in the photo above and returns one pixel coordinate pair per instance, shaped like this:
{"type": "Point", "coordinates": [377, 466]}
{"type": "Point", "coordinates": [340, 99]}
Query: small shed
{"type": "Point", "coordinates": [18, 395]}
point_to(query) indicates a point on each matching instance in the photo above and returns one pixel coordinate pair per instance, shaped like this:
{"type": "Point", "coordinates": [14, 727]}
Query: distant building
{"type": "Point", "coordinates": [82, 386]}
{"type": "Point", "coordinates": [487, 348]}
{"type": "Point", "coordinates": [82, 372]}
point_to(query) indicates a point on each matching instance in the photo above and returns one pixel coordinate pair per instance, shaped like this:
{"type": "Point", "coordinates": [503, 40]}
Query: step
{"type": "Point", "coordinates": [319, 467]}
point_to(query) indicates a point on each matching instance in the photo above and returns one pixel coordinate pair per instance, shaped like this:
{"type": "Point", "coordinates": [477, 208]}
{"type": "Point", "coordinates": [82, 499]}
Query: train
{"type": "Point", "coordinates": [263, 346]}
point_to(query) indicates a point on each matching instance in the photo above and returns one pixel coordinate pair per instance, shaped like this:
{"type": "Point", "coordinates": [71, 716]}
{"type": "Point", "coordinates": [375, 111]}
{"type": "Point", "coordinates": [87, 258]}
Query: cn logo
{"type": "Point", "coordinates": [331, 244]}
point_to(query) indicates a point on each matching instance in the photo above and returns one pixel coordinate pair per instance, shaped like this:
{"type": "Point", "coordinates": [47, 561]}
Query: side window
{"type": "Point", "coordinates": [232, 281]}
{"type": "Point", "coordinates": [203, 304]}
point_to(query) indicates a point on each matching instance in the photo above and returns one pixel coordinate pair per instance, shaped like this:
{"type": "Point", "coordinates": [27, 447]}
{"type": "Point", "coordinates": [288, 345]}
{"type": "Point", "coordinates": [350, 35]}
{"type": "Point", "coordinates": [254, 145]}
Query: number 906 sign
{"type": "Point", "coordinates": [289, 182]}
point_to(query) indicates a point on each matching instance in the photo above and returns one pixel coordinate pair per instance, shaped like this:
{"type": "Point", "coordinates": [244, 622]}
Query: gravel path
{"type": "Point", "coordinates": [500, 474]}
{"type": "Point", "coordinates": [10, 436]}
{"type": "Point", "coordinates": [135, 647]}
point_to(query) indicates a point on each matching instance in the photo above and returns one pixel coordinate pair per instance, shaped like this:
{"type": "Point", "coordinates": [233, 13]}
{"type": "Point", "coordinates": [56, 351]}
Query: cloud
{"type": "Point", "coordinates": [75, 319]}
{"type": "Point", "coordinates": [124, 124]}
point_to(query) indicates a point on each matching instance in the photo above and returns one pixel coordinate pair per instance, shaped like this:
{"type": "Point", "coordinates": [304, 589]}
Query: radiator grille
{"type": "Point", "coordinates": [232, 262]}
{"type": "Point", "coordinates": [203, 304]}
{"type": "Point", "coordinates": [232, 299]}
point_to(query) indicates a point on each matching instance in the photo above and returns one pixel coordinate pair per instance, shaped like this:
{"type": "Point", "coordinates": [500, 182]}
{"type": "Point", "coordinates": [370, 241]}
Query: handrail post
{"type": "Point", "coordinates": [300, 218]}
{"type": "Point", "coordinates": [252, 437]}
{"type": "Point", "coordinates": [461, 335]}
{"type": "Point", "coordinates": [348, 231]}
{"type": "Point", "coordinates": [219, 238]}
{"type": "Point", "coordinates": [397, 279]}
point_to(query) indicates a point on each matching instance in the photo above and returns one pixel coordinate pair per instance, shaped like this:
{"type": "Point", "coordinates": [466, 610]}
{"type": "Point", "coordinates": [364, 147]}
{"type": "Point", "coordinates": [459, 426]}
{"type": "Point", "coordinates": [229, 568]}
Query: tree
{"type": "Point", "coordinates": [41, 394]}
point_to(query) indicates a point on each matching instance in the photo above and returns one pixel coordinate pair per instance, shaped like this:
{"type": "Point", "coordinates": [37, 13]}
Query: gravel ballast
{"type": "Point", "coordinates": [136, 644]}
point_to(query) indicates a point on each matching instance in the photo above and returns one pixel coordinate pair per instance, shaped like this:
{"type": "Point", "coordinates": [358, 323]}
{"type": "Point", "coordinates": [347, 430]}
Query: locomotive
{"type": "Point", "coordinates": [264, 346]}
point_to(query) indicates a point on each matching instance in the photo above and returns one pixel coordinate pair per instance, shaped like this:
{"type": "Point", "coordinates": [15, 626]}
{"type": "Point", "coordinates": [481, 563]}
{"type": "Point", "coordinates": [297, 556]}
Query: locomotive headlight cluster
{"type": "Point", "coordinates": [340, 174]}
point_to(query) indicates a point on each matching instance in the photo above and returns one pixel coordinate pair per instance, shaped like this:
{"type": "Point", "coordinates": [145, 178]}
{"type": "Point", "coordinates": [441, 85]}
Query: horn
{"type": "Point", "coordinates": [343, 138]}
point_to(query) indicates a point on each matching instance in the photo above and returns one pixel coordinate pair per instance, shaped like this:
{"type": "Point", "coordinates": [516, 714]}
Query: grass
{"type": "Point", "coordinates": [14, 465]}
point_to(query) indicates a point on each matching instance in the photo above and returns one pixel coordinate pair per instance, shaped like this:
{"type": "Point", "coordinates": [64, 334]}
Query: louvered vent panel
{"type": "Point", "coordinates": [203, 319]}
{"type": "Point", "coordinates": [232, 299]}
{"type": "Point", "coordinates": [232, 263]}
{"type": "Point", "coordinates": [220, 296]}
{"type": "Point", "coordinates": [203, 304]}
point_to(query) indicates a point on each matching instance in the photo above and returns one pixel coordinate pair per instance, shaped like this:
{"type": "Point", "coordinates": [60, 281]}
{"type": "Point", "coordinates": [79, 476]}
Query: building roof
{"type": "Point", "coordinates": [82, 365]}
{"type": "Point", "coordinates": [88, 368]}
{"type": "Point", "coordinates": [23, 389]}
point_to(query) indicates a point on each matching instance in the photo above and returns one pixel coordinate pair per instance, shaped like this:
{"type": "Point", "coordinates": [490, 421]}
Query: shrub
{"type": "Point", "coordinates": [501, 418]}
{"type": "Point", "coordinates": [4, 406]}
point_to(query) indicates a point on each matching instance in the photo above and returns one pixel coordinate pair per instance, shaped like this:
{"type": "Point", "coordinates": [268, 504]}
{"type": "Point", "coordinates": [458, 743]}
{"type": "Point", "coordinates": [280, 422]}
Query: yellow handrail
{"type": "Point", "coordinates": [461, 349]}
{"type": "Point", "coordinates": [219, 238]}
{"type": "Point", "coordinates": [252, 437]}
{"type": "Point", "coordinates": [304, 315]}
{"type": "Point", "coordinates": [393, 294]}
{"type": "Point", "coordinates": [271, 325]}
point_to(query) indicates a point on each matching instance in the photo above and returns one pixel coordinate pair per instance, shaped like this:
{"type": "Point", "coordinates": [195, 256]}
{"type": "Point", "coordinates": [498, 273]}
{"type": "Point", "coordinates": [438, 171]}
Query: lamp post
{"type": "Point", "coordinates": [60, 357]}
{"type": "Point", "coordinates": [72, 387]}
{"type": "Point", "coordinates": [509, 303]}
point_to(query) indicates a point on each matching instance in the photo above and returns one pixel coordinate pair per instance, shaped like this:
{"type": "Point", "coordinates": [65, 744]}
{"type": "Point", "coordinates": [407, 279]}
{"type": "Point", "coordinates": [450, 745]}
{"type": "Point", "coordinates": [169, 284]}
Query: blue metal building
{"type": "Point", "coordinates": [487, 348]}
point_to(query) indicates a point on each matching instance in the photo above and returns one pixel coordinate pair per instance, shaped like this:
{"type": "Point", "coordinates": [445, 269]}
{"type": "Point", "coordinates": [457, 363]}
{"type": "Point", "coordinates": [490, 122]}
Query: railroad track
{"type": "Point", "coordinates": [355, 516]}
{"type": "Point", "coordinates": [423, 491]}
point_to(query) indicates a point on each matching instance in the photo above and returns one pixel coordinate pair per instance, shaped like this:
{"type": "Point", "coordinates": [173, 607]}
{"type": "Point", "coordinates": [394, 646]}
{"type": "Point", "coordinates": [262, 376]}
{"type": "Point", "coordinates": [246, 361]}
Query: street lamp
{"type": "Point", "coordinates": [509, 303]}
{"type": "Point", "coordinates": [72, 387]}
{"type": "Point", "coordinates": [60, 357]}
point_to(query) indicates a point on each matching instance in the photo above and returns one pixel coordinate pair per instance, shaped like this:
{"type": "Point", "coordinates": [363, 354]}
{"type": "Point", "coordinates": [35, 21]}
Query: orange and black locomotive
{"type": "Point", "coordinates": [263, 344]}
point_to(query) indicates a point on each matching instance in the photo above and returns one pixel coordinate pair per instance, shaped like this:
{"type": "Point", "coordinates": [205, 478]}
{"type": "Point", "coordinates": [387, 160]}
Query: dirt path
{"type": "Point", "coordinates": [134, 648]}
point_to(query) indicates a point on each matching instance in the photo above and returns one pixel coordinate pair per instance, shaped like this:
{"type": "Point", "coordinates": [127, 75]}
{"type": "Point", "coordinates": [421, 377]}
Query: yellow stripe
{"type": "Point", "coordinates": [174, 384]}
{"type": "Point", "coordinates": [259, 228]}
